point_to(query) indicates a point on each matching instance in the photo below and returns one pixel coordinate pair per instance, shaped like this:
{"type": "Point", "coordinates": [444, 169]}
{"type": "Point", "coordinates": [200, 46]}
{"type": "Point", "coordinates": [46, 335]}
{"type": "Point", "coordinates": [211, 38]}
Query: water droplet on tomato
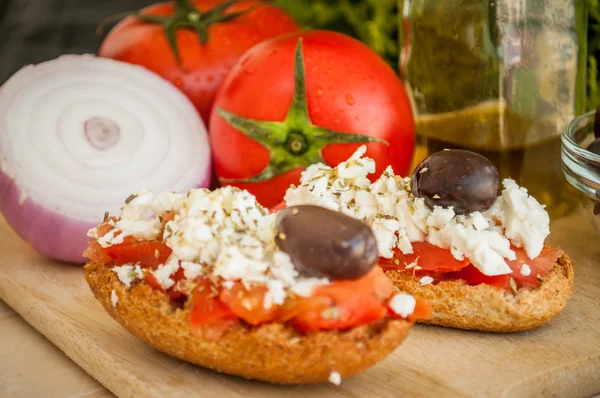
{"type": "Point", "coordinates": [273, 52]}
{"type": "Point", "coordinates": [210, 78]}
{"type": "Point", "coordinates": [350, 99]}
{"type": "Point", "coordinates": [177, 82]}
{"type": "Point", "coordinates": [245, 60]}
{"type": "Point", "coordinates": [319, 91]}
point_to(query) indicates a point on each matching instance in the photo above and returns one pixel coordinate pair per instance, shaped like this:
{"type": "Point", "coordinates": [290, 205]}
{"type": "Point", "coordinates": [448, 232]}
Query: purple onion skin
{"type": "Point", "coordinates": [52, 234]}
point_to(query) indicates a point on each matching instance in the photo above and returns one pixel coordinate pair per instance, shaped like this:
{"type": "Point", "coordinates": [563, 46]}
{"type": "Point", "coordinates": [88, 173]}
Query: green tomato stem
{"type": "Point", "coordinates": [296, 142]}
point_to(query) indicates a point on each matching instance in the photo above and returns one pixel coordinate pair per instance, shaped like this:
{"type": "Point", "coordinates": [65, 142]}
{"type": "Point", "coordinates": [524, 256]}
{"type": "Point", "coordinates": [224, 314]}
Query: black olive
{"type": "Point", "coordinates": [325, 243]}
{"type": "Point", "coordinates": [462, 179]}
{"type": "Point", "coordinates": [594, 146]}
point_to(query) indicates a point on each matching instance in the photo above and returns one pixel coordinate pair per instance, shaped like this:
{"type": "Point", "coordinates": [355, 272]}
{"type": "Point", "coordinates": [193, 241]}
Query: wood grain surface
{"type": "Point", "coordinates": [561, 359]}
{"type": "Point", "coordinates": [33, 367]}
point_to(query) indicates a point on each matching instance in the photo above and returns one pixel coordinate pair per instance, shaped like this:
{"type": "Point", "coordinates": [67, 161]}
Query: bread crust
{"type": "Point", "coordinates": [487, 308]}
{"type": "Point", "coordinates": [274, 353]}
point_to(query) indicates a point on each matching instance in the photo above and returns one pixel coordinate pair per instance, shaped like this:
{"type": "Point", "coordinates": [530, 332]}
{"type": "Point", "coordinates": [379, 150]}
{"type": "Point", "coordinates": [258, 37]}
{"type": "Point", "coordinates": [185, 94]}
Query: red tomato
{"type": "Point", "coordinates": [473, 276]}
{"type": "Point", "coordinates": [203, 66]}
{"type": "Point", "coordinates": [294, 307]}
{"type": "Point", "coordinates": [441, 265]}
{"type": "Point", "coordinates": [349, 89]}
{"type": "Point", "coordinates": [95, 253]}
{"type": "Point", "coordinates": [208, 314]}
{"type": "Point", "coordinates": [148, 253]}
{"type": "Point", "coordinates": [346, 304]}
{"type": "Point", "coordinates": [427, 256]}
{"type": "Point", "coordinates": [248, 304]}
{"type": "Point", "coordinates": [277, 207]}
{"type": "Point", "coordinates": [540, 266]}
{"type": "Point", "coordinates": [176, 292]}
{"type": "Point", "coordinates": [422, 311]}
{"type": "Point", "coordinates": [151, 280]}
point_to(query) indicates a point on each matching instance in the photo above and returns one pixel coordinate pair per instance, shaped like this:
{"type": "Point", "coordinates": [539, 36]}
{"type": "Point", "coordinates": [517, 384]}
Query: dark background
{"type": "Point", "coordinates": [32, 31]}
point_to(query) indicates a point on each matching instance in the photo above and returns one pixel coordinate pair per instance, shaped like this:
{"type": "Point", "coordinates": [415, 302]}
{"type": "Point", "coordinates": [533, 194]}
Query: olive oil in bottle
{"type": "Point", "coordinates": [501, 78]}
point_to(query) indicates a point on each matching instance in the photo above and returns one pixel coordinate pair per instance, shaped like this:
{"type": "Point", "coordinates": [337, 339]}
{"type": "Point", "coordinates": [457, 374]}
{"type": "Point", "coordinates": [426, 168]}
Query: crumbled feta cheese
{"type": "Point", "coordinates": [525, 270]}
{"type": "Point", "coordinates": [335, 378]}
{"type": "Point", "coordinates": [140, 229]}
{"type": "Point", "coordinates": [403, 304]}
{"type": "Point", "coordinates": [232, 264]}
{"type": "Point", "coordinates": [385, 233]}
{"type": "Point", "coordinates": [397, 218]}
{"type": "Point", "coordinates": [93, 233]}
{"type": "Point", "coordinates": [283, 269]}
{"type": "Point", "coordinates": [112, 237]}
{"type": "Point", "coordinates": [477, 221]}
{"type": "Point", "coordinates": [524, 219]}
{"type": "Point", "coordinates": [191, 270]}
{"type": "Point", "coordinates": [426, 280]}
{"type": "Point", "coordinates": [440, 217]}
{"type": "Point", "coordinates": [137, 219]}
{"type": "Point", "coordinates": [228, 284]}
{"type": "Point", "coordinates": [225, 229]}
{"type": "Point", "coordinates": [305, 287]}
{"type": "Point", "coordinates": [275, 293]}
{"type": "Point", "coordinates": [163, 273]}
{"type": "Point", "coordinates": [128, 273]}
{"type": "Point", "coordinates": [114, 298]}
{"type": "Point", "coordinates": [167, 201]}
{"type": "Point", "coordinates": [485, 249]}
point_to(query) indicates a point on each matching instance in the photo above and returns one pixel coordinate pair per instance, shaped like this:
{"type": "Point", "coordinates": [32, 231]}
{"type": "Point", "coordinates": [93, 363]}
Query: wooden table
{"type": "Point", "coordinates": [34, 367]}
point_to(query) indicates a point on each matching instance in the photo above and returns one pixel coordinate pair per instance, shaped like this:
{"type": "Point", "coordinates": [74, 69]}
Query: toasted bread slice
{"type": "Point", "coordinates": [275, 353]}
{"type": "Point", "coordinates": [487, 308]}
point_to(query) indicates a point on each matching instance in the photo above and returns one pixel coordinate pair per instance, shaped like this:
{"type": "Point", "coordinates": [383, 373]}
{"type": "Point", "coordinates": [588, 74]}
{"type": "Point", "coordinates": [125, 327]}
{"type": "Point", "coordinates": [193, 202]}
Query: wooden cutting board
{"type": "Point", "coordinates": [561, 359]}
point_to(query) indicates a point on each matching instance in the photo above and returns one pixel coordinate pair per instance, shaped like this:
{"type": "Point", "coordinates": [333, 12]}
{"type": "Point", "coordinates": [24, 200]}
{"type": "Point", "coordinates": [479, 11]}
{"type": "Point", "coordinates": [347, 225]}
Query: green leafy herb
{"type": "Point", "coordinates": [375, 22]}
{"type": "Point", "coordinates": [130, 198]}
{"type": "Point", "coordinates": [593, 86]}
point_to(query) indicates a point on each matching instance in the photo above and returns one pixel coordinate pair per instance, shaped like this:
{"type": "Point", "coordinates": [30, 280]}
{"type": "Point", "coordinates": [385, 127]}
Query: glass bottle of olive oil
{"type": "Point", "coordinates": [499, 77]}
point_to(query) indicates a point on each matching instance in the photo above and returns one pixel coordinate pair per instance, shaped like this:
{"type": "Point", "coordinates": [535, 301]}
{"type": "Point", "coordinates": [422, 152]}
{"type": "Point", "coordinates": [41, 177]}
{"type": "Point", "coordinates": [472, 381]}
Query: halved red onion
{"type": "Point", "coordinates": [78, 134]}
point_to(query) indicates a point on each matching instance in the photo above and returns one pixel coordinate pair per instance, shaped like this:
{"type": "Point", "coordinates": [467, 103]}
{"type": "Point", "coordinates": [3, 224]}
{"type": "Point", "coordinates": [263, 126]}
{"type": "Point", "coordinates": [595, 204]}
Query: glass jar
{"type": "Point", "coordinates": [582, 167]}
{"type": "Point", "coordinates": [501, 78]}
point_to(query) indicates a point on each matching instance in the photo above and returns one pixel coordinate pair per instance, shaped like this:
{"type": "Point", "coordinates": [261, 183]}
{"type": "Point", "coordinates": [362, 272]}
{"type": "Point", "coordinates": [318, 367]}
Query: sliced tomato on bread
{"type": "Point", "coordinates": [345, 304]}
{"type": "Point", "coordinates": [427, 257]}
{"type": "Point", "coordinates": [538, 268]}
{"type": "Point", "coordinates": [248, 304]}
{"type": "Point", "coordinates": [440, 264]}
{"type": "Point", "coordinates": [150, 254]}
{"type": "Point", "coordinates": [95, 253]}
{"type": "Point", "coordinates": [209, 315]}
